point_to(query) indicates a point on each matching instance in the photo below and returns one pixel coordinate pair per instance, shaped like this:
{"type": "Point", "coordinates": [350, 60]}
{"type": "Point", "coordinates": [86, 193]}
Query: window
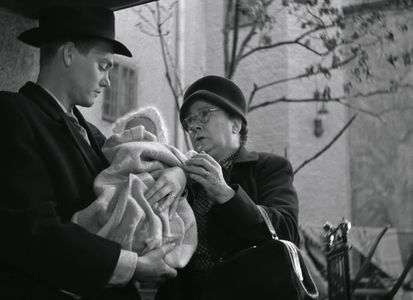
{"type": "Point", "coordinates": [122, 95]}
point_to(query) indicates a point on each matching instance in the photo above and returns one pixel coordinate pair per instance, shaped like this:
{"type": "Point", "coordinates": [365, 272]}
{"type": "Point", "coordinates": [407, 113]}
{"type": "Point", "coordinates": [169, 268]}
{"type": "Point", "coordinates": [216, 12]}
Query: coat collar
{"type": "Point", "coordinates": [246, 156]}
{"type": "Point", "coordinates": [91, 153]}
{"type": "Point", "coordinates": [42, 99]}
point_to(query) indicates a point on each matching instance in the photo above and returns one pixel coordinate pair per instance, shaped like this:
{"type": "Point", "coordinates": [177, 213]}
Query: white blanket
{"type": "Point", "coordinates": [122, 213]}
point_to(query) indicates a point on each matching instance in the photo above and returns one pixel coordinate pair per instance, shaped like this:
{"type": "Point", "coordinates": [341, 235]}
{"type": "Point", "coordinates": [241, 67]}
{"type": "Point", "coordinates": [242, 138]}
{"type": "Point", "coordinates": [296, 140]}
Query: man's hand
{"type": "Point", "coordinates": [167, 189]}
{"type": "Point", "coordinates": [152, 268]}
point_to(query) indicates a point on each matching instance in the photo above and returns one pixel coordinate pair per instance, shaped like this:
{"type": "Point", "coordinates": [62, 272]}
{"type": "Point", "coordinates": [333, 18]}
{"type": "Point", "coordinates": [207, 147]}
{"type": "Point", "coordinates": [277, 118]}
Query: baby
{"type": "Point", "coordinates": [137, 151]}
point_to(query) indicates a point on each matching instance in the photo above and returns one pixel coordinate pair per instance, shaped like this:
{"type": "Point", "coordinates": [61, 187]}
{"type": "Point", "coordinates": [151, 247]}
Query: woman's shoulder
{"type": "Point", "coordinates": [272, 161]}
{"type": "Point", "coordinates": [266, 157]}
{"type": "Point", "coordinates": [264, 160]}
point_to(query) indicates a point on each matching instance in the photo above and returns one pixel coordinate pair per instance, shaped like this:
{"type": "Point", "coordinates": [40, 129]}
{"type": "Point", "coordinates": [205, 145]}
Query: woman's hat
{"type": "Point", "coordinates": [59, 22]}
{"type": "Point", "coordinates": [216, 90]}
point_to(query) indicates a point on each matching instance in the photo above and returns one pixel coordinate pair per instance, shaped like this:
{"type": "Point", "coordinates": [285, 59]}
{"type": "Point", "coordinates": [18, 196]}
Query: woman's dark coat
{"type": "Point", "coordinates": [257, 178]}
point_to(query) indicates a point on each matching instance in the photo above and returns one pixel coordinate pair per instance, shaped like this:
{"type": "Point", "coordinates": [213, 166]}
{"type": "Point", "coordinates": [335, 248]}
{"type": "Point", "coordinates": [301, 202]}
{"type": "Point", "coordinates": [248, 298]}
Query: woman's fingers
{"type": "Point", "coordinates": [201, 161]}
{"type": "Point", "coordinates": [158, 193]}
{"type": "Point", "coordinates": [191, 169]}
{"type": "Point", "coordinates": [202, 180]}
{"type": "Point", "coordinates": [209, 158]}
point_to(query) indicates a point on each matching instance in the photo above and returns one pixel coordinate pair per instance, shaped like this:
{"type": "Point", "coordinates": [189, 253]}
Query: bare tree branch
{"type": "Point", "coordinates": [245, 42]}
{"type": "Point", "coordinates": [289, 42]}
{"type": "Point", "coordinates": [249, 35]}
{"type": "Point", "coordinates": [304, 75]}
{"type": "Point", "coordinates": [226, 37]}
{"type": "Point", "coordinates": [339, 100]}
{"type": "Point", "coordinates": [233, 61]}
{"type": "Point", "coordinates": [335, 138]}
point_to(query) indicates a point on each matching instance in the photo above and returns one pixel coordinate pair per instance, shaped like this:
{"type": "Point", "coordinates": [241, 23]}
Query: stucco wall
{"type": "Point", "coordinates": [18, 61]}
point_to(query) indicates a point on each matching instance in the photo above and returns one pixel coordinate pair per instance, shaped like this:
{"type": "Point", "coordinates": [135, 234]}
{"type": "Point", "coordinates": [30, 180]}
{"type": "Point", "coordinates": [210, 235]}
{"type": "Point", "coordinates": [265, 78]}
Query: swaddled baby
{"type": "Point", "coordinates": [137, 151]}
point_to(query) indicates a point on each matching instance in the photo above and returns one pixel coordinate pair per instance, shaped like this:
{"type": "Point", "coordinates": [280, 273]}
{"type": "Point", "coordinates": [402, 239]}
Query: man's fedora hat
{"type": "Point", "coordinates": [216, 90]}
{"type": "Point", "coordinates": [61, 22]}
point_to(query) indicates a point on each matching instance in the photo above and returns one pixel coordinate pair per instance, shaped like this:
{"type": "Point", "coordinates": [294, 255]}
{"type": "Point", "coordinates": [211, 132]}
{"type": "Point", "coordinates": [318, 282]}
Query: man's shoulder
{"type": "Point", "coordinates": [12, 99]}
{"type": "Point", "coordinates": [9, 95]}
{"type": "Point", "coordinates": [16, 96]}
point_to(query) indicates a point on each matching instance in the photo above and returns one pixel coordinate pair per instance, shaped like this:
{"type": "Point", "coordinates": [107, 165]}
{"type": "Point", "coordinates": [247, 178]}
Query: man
{"type": "Point", "coordinates": [50, 157]}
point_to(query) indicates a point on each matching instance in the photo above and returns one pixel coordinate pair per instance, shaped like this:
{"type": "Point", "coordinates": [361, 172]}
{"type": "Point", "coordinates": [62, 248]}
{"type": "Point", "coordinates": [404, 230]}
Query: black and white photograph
{"type": "Point", "coordinates": [206, 150]}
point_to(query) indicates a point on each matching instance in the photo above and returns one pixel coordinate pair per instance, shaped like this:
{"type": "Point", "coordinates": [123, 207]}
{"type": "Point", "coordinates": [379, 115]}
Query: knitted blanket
{"type": "Point", "coordinates": [122, 213]}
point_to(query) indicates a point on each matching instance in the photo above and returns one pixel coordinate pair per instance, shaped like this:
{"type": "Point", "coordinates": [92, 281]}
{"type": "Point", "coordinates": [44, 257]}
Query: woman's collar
{"type": "Point", "coordinates": [246, 156]}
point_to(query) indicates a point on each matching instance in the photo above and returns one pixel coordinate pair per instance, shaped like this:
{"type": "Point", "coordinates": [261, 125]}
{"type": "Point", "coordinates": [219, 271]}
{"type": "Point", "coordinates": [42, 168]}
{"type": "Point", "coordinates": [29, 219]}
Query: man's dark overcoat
{"type": "Point", "coordinates": [47, 175]}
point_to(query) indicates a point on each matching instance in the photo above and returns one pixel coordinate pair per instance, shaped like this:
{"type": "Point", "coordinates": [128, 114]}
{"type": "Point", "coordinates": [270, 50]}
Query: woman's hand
{"type": "Point", "coordinates": [167, 189]}
{"type": "Point", "coordinates": [205, 170]}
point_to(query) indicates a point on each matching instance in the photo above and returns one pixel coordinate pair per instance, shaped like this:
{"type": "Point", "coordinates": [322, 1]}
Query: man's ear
{"type": "Point", "coordinates": [68, 51]}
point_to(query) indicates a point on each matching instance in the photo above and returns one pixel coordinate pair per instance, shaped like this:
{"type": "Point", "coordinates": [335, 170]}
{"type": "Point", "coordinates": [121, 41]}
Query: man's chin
{"type": "Point", "coordinates": [87, 103]}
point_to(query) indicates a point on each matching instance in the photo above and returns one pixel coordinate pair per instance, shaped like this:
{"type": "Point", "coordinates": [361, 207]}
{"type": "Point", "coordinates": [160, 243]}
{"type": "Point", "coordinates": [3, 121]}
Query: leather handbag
{"type": "Point", "coordinates": [273, 270]}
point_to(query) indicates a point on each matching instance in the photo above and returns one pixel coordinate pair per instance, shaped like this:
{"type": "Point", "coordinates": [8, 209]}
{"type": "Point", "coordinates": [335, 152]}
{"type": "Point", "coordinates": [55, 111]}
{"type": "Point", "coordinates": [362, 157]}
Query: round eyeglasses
{"type": "Point", "coordinates": [202, 116]}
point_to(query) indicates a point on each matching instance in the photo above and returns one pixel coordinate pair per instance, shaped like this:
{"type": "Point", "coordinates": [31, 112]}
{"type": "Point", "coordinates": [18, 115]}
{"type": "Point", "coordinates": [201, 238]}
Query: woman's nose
{"type": "Point", "coordinates": [194, 126]}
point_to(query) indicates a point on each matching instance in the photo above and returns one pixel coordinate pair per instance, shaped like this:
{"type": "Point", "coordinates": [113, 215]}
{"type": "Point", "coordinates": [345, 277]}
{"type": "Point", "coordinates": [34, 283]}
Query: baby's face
{"type": "Point", "coordinates": [142, 121]}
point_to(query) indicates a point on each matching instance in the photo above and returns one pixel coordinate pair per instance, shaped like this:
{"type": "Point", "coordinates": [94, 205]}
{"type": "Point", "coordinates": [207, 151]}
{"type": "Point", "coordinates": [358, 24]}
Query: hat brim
{"type": "Point", "coordinates": [213, 98]}
{"type": "Point", "coordinates": [35, 37]}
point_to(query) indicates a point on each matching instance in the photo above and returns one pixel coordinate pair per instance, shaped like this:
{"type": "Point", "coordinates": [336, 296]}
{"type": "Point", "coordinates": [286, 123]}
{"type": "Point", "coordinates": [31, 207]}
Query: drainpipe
{"type": "Point", "coordinates": [180, 65]}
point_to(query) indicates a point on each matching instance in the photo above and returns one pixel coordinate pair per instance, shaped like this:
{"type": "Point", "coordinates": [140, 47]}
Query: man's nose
{"type": "Point", "coordinates": [105, 82]}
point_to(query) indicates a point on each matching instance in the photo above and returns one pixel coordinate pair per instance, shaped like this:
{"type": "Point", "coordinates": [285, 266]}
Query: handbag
{"type": "Point", "coordinates": [273, 270]}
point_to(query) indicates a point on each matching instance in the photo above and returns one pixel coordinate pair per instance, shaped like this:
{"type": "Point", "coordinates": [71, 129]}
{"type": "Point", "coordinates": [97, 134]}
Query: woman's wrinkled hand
{"type": "Point", "coordinates": [167, 189]}
{"type": "Point", "coordinates": [205, 170]}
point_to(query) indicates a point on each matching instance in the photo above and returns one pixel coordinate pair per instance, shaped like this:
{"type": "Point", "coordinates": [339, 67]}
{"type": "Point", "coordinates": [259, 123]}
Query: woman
{"type": "Point", "coordinates": [228, 184]}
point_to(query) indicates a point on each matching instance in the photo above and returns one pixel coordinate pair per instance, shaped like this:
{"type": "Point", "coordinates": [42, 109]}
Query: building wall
{"type": "Point", "coordinates": [381, 153]}
{"type": "Point", "coordinates": [323, 184]}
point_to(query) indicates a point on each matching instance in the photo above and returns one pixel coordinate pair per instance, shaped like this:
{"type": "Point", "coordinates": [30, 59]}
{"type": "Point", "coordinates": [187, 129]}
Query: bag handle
{"type": "Point", "coordinates": [298, 264]}
{"type": "Point", "coordinates": [291, 248]}
{"type": "Point", "coordinates": [268, 222]}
